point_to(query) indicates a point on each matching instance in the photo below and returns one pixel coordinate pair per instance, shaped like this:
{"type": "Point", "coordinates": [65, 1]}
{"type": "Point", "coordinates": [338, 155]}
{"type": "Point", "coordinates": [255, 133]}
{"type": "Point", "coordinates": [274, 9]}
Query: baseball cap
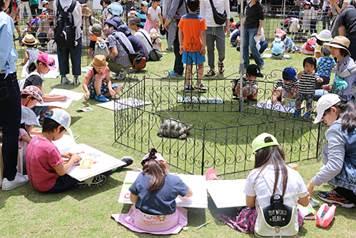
{"type": "Point", "coordinates": [28, 117]}
{"type": "Point", "coordinates": [47, 60]}
{"type": "Point", "coordinates": [115, 22]}
{"type": "Point", "coordinates": [34, 92]}
{"type": "Point", "coordinates": [253, 69]}
{"type": "Point", "coordinates": [144, 3]}
{"type": "Point", "coordinates": [259, 142]}
{"type": "Point", "coordinates": [324, 103]}
{"type": "Point", "coordinates": [159, 157]}
{"type": "Point", "coordinates": [289, 73]}
{"type": "Point", "coordinates": [115, 9]}
{"type": "Point", "coordinates": [134, 21]}
{"type": "Point", "coordinates": [61, 117]}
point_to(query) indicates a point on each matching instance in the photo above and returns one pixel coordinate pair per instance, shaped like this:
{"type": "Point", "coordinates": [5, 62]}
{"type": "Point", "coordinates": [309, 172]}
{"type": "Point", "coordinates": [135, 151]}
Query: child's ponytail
{"type": "Point", "coordinates": [155, 169]}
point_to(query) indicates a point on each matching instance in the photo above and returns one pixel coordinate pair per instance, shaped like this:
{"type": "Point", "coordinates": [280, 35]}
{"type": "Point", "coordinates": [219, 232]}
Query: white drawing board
{"type": "Point", "coordinates": [75, 96]}
{"type": "Point", "coordinates": [123, 104]}
{"type": "Point", "coordinates": [227, 193]}
{"type": "Point", "coordinates": [195, 182]}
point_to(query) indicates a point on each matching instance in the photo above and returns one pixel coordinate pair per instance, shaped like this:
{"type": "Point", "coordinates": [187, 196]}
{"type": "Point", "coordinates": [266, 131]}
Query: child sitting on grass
{"type": "Point", "coordinates": [153, 195]}
{"type": "Point", "coordinates": [307, 82]}
{"type": "Point", "coordinates": [46, 169]}
{"type": "Point", "coordinates": [286, 90]}
{"type": "Point", "coordinates": [273, 191]}
{"type": "Point", "coordinates": [97, 45]}
{"type": "Point", "coordinates": [324, 67]}
{"type": "Point", "coordinates": [192, 45]}
{"type": "Point", "coordinates": [31, 52]}
{"type": "Point", "coordinates": [249, 83]}
{"type": "Point", "coordinates": [97, 84]}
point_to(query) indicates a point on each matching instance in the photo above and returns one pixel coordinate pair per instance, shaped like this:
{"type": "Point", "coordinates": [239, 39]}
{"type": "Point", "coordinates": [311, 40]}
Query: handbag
{"type": "Point", "coordinates": [154, 54]}
{"type": "Point", "coordinates": [219, 18]}
{"type": "Point", "coordinates": [138, 61]}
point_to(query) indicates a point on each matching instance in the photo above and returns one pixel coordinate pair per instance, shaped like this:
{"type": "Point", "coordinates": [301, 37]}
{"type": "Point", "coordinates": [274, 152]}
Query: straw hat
{"type": "Point", "coordinates": [99, 61]}
{"type": "Point", "coordinates": [29, 39]}
{"type": "Point", "coordinates": [340, 42]}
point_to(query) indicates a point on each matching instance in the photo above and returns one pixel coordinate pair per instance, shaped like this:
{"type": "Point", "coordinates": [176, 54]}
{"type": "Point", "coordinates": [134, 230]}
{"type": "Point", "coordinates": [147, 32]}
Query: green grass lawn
{"type": "Point", "coordinates": [86, 213]}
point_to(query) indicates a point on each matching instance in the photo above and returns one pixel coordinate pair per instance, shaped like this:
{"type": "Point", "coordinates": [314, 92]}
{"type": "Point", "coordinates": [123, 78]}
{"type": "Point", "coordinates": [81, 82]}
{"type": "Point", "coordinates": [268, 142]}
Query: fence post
{"type": "Point", "coordinates": [318, 142]}
{"type": "Point", "coordinates": [203, 151]}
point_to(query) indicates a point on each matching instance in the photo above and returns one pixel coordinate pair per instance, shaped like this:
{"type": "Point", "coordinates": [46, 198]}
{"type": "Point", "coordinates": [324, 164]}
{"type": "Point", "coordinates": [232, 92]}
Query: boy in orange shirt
{"type": "Point", "coordinates": [192, 38]}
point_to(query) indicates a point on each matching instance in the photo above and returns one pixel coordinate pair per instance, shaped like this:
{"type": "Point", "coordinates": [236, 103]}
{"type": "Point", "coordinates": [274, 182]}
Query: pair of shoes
{"type": "Point", "coordinates": [65, 80]}
{"type": "Point", "coordinates": [200, 87]}
{"type": "Point", "coordinates": [188, 88]}
{"type": "Point", "coordinates": [173, 74]}
{"type": "Point", "coordinates": [76, 80]}
{"type": "Point", "coordinates": [96, 181]}
{"type": "Point", "coordinates": [334, 198]}
{"type": "Point", "coordinates": [210, 73]}
{"type": "Point", "coordinates": [221, 69]}
{"type": "Point", "coordinates": [101, 98]}
{"type": "Point", "coordinates": [325, 215]}
{"type": "Point", "coordinates": [18, 181]}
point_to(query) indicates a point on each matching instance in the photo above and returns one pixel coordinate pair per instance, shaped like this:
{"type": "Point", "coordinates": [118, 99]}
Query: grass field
{"type": "Point", "coordinates": [86, 213]}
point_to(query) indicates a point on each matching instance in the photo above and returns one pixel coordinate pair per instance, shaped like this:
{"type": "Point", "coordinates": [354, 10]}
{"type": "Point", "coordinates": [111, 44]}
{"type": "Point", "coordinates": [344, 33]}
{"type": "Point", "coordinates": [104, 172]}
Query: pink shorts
{"type": "Point", "coordinates": [140, 222]}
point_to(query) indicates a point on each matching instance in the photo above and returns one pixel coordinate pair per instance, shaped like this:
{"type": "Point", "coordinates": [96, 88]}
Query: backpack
{"type": "Point", "coordinates": [101, 48]}
{"type": "Point", "coordinates": [64, 31]}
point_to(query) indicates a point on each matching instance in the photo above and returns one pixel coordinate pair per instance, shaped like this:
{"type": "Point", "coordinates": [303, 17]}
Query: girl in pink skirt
{"type": "Point", "coordinates": [153, 195]}
{"type": "Point", "coordinates": [154, 16]}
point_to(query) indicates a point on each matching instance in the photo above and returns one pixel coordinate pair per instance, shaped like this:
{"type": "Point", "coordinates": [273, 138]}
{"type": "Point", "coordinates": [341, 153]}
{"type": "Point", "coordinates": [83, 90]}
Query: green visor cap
{"type": "Point", "coordinates": [259, 142]}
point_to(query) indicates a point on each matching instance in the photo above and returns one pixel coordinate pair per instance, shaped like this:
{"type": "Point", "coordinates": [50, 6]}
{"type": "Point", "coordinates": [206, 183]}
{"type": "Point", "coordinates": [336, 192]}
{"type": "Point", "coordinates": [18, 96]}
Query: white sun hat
{"type": "Point", "coordinates": [324, 35]}
{"type": "Point", "coordinates": [28, 117]}
{"type": "Point", "coordinates": [324, 103]}
{"type": "Point", "coordinates": [61, 117]}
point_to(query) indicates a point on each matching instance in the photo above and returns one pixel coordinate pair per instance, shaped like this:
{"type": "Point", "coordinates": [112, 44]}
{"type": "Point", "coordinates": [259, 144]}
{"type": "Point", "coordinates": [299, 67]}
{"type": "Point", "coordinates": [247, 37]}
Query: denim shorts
{"type": "Point", "coordinates": [192, 58]}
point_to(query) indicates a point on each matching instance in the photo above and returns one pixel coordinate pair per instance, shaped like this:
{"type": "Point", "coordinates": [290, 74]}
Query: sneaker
{"type": "Point", "coordinates": [188, 88]}
{"type": "Point", "coordinates": [173, 74]}
{"type": "Point", "coordinates": [128, 160]}
{"type": "Point", "coordinates": [221, 69]}
{"type": "Point", "coordinates": [76, 80]}
{"type": "Point", "coordinates": [65, 80]}
{"type": "Point", "coordinates": [101, 98]}
{"type": "Point", "coordinates": [18, 181]}
{"type": "Point", "coordinates": [96, 181]}
{"type": "Point", "coordinates": [200, 87]}
{"type": "Point", "coordinates": [334, 198]}
{"type": "Point", "coordinates": [210, 73]}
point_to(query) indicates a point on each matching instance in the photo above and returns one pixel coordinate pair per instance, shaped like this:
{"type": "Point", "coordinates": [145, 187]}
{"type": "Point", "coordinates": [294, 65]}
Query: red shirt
{"type": "Point", "coordinates": [41, 158]}
{"type": "Point", "coordinates": [192, 26]}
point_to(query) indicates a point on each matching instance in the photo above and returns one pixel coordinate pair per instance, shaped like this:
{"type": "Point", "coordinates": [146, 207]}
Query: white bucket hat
{"type": "Point", "coordinates": [324, 35]}
{"type": "Point", "coordinates": [61, 117]}
{"type": "Point", "coordinates": [28, 117]}
{"type": "Point", "coordinates": [324, 103]}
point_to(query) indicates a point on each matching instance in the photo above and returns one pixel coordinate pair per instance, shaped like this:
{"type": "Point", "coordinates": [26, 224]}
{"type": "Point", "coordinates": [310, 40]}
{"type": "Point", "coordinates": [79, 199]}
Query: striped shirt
{"type": "Point", "coordinates": [307, 84]}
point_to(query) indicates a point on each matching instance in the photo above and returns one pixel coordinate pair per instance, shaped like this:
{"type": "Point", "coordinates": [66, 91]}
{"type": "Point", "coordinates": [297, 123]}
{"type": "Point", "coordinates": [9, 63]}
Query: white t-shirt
{"type": "Point", "coordinates": [261, 185]}
{"type": "Point", "coordinates": [154, 13]}
{"type": "Point", "coordinates": [143, 39]}
{"type": "Point", "coordinates": [206, 11]}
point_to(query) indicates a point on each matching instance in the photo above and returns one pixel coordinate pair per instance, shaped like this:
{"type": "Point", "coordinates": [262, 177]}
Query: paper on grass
{"type": "Point", "coordinates": [197, 184]}
{"type": "Point", "coordinates": [123, 104]}
{"type": "Point", "coordinates": [103, 162]}
{"type": "Point", "coordinates": [275, 107]}
{"type": "Point", "coordinates": [71, 96]}
{"type": "Point", "coordinates": [227, 193]}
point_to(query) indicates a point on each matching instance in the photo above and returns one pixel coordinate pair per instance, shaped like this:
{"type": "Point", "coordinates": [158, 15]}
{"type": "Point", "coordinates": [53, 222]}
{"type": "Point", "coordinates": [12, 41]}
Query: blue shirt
{"type": "Point", "coordinates": [162, 201]}
{"type": "Point", "coordinates": [277, 47]}
{"type": "Point", "coordinates": [8, 55]}
{"type": "Point", "coordinates": [324, 66]}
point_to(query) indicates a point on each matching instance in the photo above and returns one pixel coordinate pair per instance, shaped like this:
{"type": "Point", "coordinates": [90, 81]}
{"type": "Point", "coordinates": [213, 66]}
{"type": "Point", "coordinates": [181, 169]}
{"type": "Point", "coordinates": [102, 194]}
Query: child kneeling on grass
{"type": "Point", "coordinates": [97, 84]}
{"type": "Point", "coordinates": [192, 39]}
{"type": "Point", "coordinates": [249, 84]}
{"type": "Point", "coordinates": [153, 195]}
{"type": "Point", "coordinates": [273, 191]}
{"type": "Point", "coordinates": [46, 169]}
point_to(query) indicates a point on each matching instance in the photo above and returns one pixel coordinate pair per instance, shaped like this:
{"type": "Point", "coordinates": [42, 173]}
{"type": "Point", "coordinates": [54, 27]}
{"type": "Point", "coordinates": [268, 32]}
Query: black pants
{"type": "Point", "coordinates": [348, 194]}
{"type": "Point", "coordinates": [10, 118]}
{"type": "Point", "coordinates": [64, 183]}
{"type": "Point", "coordinates": [352, 47]}
{"type": "Point", "coordinates": [178, 64]}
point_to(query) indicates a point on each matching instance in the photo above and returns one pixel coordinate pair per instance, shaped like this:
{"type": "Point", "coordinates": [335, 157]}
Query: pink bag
{"type": "Point", "coordinates": [325, 216]}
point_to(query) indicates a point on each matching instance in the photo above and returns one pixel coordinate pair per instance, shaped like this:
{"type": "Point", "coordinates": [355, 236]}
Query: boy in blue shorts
{"type": "Point", "coordinates": [192, 44]}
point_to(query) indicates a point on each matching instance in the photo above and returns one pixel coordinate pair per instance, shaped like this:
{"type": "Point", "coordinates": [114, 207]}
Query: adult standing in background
{"type": "Point", "coordinates": [172, 28]}
{"type": "Point", "coordinates": [215, 32]}
{"type": "Point", "coordinates": [252, 27]}
{"type": "Point", "coordinates": [175, 11]}
{"type": "Point", "coordinates": [72, 49]}
{"type": "Point", "coordinates": [345, 24]}
{"type": "Point", "coordinates": [10, 101]}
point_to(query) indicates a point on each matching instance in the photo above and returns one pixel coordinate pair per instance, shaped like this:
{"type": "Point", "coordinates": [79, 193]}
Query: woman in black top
{"type": "Point", "coordinates": [252, 27]}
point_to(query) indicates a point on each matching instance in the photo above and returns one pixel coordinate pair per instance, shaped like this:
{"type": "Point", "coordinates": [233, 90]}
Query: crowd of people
{"type": "Point", "coordinates": [123, 40]}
